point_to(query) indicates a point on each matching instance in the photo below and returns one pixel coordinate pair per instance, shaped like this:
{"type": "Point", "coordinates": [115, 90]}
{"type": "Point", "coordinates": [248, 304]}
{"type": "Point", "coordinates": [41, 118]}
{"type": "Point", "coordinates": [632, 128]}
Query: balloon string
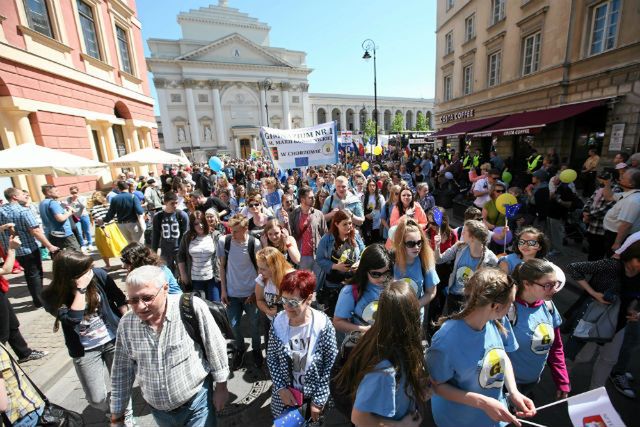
{"type": "Point", "coordinates": [506, 225]}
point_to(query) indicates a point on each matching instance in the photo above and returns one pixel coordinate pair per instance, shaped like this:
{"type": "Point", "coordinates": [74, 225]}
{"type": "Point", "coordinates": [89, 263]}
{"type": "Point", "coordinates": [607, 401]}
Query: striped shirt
{"type": "Point", "coordinates": [98, 212]}
{"type": "Point", "coordinates": [203, 251]}
{"type": "Point", "coordinates": [24, 221]}
{"type": "Point", "coordinates": [170, 367]}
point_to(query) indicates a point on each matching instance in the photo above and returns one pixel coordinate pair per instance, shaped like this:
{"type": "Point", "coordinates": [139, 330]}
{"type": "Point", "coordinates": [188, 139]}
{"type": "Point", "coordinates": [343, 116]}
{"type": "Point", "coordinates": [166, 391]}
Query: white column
{"type": "Point", "coordinates": [254, 142]}
{"type": "Point", "coordinates": [262, 88]}
{"type": "Point", "coordinates": [167, 126]}
{"type": "Point", "coordinates": [191, 111]}
{"type": "Point", "coordinates": [217, 113]}
{"type": "Point", "coordinates": [343, 118]}
{"type": "Point", "coordinates": [24, 135]}
{"type": "Point", "coordinates": [108, 141]}
{"type": "Point", "coordinates": [404, 124]}
{"type": "Point", "coordinates": [286, 118]}
{"type": "Point", "coordinates": [307, 111]}
{"type": "Point", "coordinates": [356, 119]}
{"type": "Point", "coordinates": [236, 146]}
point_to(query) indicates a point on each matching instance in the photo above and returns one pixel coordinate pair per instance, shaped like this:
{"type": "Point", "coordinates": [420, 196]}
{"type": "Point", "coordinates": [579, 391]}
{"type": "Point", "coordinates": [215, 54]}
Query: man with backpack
{"type": "Point", "coordinates": [238, 273]}
{"type": "Point", "coordinates": [169, 225]}
{"type": "Point", "coordinates": [183, 380]}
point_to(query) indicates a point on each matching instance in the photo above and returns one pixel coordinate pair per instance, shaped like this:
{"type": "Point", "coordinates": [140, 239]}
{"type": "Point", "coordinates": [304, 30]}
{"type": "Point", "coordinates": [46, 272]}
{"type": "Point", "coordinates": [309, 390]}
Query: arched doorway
{"type": "Point", "coordinates": [245, 148]}
{"type": "Point", "coordinates": [350, 121]}
{"type": "Point", "coordinates": [363, 118]}
{"type": "Point", "coordinates": [335, 116]}
{"type": "Point", "coordinates": [387, 119]}
{"type": "Point", "coordinates": [409, 120]}
{"type": "Point", "coordinates": [322, 116]}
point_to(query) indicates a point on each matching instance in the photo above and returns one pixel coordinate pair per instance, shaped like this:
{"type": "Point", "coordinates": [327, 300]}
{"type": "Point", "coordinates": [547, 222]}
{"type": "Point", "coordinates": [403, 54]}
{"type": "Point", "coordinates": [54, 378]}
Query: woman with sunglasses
{"type": "Point", "coordinates": [276, 235]}
{"type": "Point", "coordinates": [197, 258]}
{"type": "Point", "coordinates": [89, 305]}
{"type": "Point", "coordinates": [491, 217]}
{"type": "Point", "coordinates": [136, 255]}
{"type": "Point", "coordinates": [414, 261]}
{"type": "Point", "coordinates": [301, 349]}
{"type": "Point", "coordinates": [536, 326]}
{"type": "Point", "coordinates": [338, 251]}
{"type": "Point", "coordinates": [258, 218]}
{"type": "Point", "coordinates": [357, 303]}
{"type": "Point", "coordinates": [385, 374]}
{"type": "Point", "coordinates": [469, 384]}
{"type": "Point", "coordinates": [529, 243]}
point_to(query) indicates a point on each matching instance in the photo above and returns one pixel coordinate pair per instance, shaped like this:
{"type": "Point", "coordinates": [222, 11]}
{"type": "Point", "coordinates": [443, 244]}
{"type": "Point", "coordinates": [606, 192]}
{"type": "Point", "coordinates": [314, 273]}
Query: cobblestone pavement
{"type": "Point", "coordinates": [249, 387]}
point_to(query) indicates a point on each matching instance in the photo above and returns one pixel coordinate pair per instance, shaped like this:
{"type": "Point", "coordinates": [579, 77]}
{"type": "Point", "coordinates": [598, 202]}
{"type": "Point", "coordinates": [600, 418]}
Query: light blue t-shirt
{"type": "Point", "coordinates": [174, 288]}
{"type": "Point", "coordinates": [379, 393]}
{"type": "Point", "coordinates": [418, 279]}
{"type": "Point", "coordinates": [470, 360]}
{"type": "Point", "coordinates": [386, 215]}
{"type": "Point", "coordinates": [512, 260]}
{"type": "Point", "coordinates": [366, 306]}
{"type": "Point", "coordinates": [48, 209]}
{"type": "Point", "coordinates": [534, 330]}
{"type": "Point", "coordinates": [466, 266]}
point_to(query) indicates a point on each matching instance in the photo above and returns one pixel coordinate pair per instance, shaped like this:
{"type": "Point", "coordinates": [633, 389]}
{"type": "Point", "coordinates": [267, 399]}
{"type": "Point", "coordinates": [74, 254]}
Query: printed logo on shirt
{"type": "Point", "coordinates": [370, 311]}
{"type": "Point", "coordinates": [409, 281]}
{"type": "Point", "coordinates": [492, 370]}
{"type": "Point", "coordinates": [542, 339]}
{"type": "Point", "coordinates": [463, 274]}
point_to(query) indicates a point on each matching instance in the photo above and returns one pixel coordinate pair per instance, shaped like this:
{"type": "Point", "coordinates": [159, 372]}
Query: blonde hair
{"type": "Point", "coordinates": [477, 230]}
{"type": "Point", "coordinates": [486, 286]}
{"type": "Point", "coordinates": [238, 219]}
{"type": "Point", "coordinates": [276, 263]}
{"type": "Point", "coordinates": [409, 225]}
{"type": "Point", "coordinates": [97, 198]}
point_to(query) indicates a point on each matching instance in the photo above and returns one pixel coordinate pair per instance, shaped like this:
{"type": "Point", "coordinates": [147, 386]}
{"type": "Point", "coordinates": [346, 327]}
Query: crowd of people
{"type": "Point", "coordinates": [355, 288]}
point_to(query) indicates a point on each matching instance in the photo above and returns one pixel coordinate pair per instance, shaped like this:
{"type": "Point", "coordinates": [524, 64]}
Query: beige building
{"type": "Point", "coordinates": [563, 74]}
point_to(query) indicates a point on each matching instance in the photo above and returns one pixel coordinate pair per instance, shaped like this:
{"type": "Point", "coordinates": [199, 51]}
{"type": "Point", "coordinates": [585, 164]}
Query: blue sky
{"type": "Point", "coordinates": [332, 32]}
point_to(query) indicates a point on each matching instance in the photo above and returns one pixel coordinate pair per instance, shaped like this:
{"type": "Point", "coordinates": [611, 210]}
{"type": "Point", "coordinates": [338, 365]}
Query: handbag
{"type": "Point", "coordinates": [599, 322]}
{"type": "Point", "coordinates": [53, 415]}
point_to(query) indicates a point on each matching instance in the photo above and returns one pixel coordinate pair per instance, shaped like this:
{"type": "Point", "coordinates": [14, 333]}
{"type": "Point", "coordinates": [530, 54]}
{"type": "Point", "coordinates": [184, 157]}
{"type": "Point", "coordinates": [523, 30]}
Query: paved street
{"type": "Point", "coordinates": [249, 387]}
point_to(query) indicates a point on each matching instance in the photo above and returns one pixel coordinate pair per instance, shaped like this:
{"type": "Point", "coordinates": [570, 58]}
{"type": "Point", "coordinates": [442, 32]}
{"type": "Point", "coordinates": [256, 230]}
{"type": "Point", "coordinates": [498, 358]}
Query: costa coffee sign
{"type": "Point", "coordinates": [464, 114]}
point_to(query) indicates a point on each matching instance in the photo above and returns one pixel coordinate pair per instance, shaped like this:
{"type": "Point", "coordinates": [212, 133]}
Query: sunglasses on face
{"type": "Point", "coordinates": [413, 243]}
{"type": "Point", "coordinates": [379, 274]}
{"type": "Point", "coordinates": [291, 302]}
{"type": "Point", "coordinates": [531, 243]}
{"type": "Point", "coordinates": [146, 299]}
{"type": "Point", "coordinates": [499, 191]}
{"type": "Point", "coordinates": [254, 205]}
{"type": "Point", "coordinates": [549, 286]}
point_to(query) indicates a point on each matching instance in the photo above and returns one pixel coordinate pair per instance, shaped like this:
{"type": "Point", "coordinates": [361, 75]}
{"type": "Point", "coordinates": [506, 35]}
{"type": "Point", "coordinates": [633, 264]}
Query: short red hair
{"type": "Point", "coordinates": [302, 281]}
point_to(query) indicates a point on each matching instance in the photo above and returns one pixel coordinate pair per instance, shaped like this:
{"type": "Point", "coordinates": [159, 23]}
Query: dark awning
{"type": "Point", "coordinates": [531, 122]}
{"type": "Point", "coordinates": [463, 128]}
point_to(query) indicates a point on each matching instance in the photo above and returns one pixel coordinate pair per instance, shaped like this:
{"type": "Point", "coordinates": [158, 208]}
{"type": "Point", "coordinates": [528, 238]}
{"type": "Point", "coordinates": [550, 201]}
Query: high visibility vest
{"type": "Point", "coordinates": [476, 161]}
{"type": "Point", "coordinates": [531, 164]}
{"type": "Point", "coordinates": [465, 161]}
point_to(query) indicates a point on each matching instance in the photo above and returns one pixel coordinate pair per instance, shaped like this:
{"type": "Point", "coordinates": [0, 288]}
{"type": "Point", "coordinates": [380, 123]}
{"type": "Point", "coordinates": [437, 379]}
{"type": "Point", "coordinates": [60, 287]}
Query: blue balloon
{"type": "Point", "coordinates": [215, 164]}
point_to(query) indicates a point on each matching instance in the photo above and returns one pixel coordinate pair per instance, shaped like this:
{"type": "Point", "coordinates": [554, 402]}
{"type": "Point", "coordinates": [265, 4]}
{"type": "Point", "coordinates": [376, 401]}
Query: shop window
{"type": "Point", "coordinates": [470, 27]}
{"type": "Point", "coordinates": [38, 16]}
{"type": "Point", "coordinates": [531, 54]}
{"type": "Point", "coordinates": [89, 33]}
{"type": "Point", "coordinates": [448, 43]}
{"type": "Point", "coordinates": [497, 11]}
{"type": "Point", "coordinates": [121, 146]}
{"type": "Point", "coordinates": [447, 86]}
{"type": "Point", "coordinates": [493, 74]}
{"type": "Point", "coordinates": [123, 48]}
{"type": "Point", "coordinates": [467, 79]}
{"type": "Point", "coordinates": [604, 26]}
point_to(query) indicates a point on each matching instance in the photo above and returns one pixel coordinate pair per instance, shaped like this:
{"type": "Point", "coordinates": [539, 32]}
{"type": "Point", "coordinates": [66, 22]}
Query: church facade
{"type": "Point", "coordinates": [222, 81]}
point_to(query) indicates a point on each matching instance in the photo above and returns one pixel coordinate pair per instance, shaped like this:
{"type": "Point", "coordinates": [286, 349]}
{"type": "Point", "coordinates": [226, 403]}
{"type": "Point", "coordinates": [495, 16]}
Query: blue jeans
{"type": "Point", "coordinates": [198, 412]}
{"type": "Point", "coordinates": [31, 419]}
{"type": "Point", "coordinates": [236, 306]}
{"type": "Point", "coordinates": [210, 287]}
{"type": "Point", "coordinates": [84, 229]}
{"type": "Point", "coordinates": [631, 340]}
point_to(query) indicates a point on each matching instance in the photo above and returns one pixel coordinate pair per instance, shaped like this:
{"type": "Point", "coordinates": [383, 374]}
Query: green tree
{"type": "Point", "coordinates": [369, 129]}
{"type": "Point", "coordinates": [421, 122]}
{"type": "Point", "coordinates": [397, 125]}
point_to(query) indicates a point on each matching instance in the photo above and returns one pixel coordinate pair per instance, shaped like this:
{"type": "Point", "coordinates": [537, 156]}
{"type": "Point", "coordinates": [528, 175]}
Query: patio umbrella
{"type": "Point", "coordinates": [149, 156]}
{"type": "Point", "coordinates": [33, 159]}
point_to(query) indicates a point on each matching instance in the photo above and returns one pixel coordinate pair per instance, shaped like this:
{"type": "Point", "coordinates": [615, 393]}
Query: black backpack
{"type": "Point", "coordinates": [219, 313]}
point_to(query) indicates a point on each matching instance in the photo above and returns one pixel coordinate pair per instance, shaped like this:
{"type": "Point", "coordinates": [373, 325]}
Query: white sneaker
{"type": "Point", "coordinates": [621, 383]}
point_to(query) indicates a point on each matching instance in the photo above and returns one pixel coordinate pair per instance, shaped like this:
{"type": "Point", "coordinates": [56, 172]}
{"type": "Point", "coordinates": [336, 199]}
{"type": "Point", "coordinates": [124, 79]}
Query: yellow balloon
{"type": "Point", "coordinates": [505, 199]}
{"type": "Point", "coordinates": [568, 175]}
{"type": "Point", "coordinates": [377, 151]}
{"type": "Point", "coordinates": [364, 165]}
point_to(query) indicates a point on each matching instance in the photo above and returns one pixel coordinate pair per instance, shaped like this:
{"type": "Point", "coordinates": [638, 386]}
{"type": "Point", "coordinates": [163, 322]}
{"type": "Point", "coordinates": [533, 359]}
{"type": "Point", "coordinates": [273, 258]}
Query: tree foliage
{"type": "Point", "coordinates": [422, 125]}
{"type": "Point", "coordinates": [397, 125]}
{"type": "Point", "coordinates": [369, 129]}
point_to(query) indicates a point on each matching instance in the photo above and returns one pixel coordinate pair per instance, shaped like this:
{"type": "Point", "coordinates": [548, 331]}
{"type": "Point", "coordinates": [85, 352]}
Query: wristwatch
{"type": "Point", "coordinates": [82, 290]}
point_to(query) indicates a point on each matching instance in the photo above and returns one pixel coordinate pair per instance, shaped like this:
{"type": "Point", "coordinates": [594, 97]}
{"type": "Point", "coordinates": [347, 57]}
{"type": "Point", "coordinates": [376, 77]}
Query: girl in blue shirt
{"type": "Point", "coordinates": [385, 373]}
{"type": "Point", "coordinates": [530, 243]}
{"type": "Point", "coordinates": [414, 262]}
{"type": "Point", "coordinates": [468, 360]}
{"type": "Point", "coordinates": [358, 303]}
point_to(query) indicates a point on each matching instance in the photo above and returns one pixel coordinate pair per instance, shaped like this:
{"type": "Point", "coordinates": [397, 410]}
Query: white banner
{"type": "Point", "coordinates": [593, 409]}
{"type": "Point", "coordinates": [297, 148]}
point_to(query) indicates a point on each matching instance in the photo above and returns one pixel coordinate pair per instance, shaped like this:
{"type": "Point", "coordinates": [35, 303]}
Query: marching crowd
{"type": "Point", "coordinates": [356, 291]}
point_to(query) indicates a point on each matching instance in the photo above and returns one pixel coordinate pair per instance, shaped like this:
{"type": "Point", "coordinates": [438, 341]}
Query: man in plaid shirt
{"type": "Point", "coordinates": [26, 226]}
{"type": "Point", "coordinates": [183, 383]}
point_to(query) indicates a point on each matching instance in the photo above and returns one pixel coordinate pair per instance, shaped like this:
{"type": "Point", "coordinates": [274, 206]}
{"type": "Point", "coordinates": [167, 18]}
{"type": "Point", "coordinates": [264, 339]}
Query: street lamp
{"type": "Point", "coordinates": [369, 45]}
{"type": "Point", "coordinates": [266, 84]}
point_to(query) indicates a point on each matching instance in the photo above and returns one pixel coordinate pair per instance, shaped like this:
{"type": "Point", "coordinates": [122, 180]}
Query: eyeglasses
{"type": "Point", "coordinates": [499, 191]}
{"type": "Point", "coordinates": [379, 274]}
{"type": "Point", "coordinates": [531, 243]}
{"type": "Point", "coordinates": [291, 302]}
{"type": "Point", "coordinates": [413, 243]}
{"type": "Point", "coordinates": [254, 205]}
{"type": "Point", "coordinates": [549, 286]}
{"type": "Point", "coordinates": [146, 299]}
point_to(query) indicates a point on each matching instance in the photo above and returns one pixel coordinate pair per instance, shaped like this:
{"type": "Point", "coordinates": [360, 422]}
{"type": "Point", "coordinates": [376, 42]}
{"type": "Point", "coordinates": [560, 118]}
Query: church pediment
{"type": "Point", "coordinates": [234, 49]}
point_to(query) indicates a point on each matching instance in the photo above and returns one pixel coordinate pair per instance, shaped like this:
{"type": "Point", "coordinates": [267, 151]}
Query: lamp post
{"type": "Point", "coordinates": [370, 45]}
{"type": "Point", "coordinates": [193, 155]}
{"type": "Point", "coordinates": [266, 84]}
